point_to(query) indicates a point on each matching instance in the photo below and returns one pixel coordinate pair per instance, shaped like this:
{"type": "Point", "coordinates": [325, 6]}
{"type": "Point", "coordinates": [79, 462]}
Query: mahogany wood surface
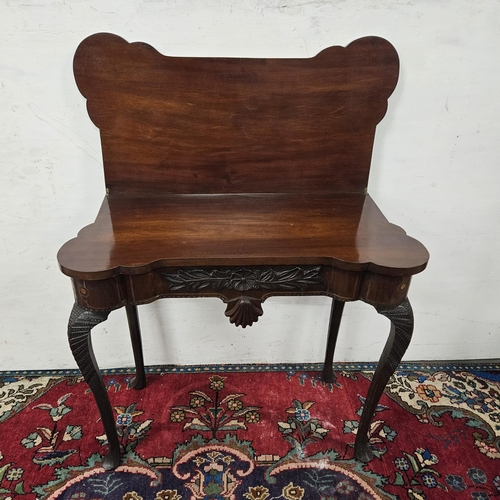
{"type": "Point", "coordinates": [134, 235]}
{"type": "Point", "coordinates": [240, 179]}
{"type": "Point", "coordinates": [215, 125]}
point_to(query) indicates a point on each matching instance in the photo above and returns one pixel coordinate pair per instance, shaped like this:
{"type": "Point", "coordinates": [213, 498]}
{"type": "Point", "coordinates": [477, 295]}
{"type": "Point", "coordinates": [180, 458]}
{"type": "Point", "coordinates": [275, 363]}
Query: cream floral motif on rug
{"type": "Point", "coordinates": [462, 394]}
{"type": "Point", "coordinates": [17, 393]}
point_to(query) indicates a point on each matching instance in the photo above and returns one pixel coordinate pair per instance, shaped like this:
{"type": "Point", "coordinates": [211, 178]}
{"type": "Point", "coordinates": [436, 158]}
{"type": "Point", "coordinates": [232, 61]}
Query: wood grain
{"type": "Point", "coordinates": [134, 235]}
{"type": "Point", "coordinates": [215, 125]}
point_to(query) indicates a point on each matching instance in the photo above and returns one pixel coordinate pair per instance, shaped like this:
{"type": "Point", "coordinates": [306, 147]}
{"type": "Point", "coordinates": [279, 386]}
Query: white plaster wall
{"type": "Point", "coordinates": [435, 171]}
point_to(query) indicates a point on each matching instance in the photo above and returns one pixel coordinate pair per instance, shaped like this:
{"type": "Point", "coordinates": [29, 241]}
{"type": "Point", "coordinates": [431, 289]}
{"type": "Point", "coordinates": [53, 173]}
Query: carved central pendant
{"type": "Point", "coordinates": [244, 311]}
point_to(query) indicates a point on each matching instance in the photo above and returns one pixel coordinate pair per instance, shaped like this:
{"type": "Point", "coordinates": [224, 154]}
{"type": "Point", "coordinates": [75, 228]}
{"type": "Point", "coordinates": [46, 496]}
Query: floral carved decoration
{"type": "Point", "coordinates": [243, 279]}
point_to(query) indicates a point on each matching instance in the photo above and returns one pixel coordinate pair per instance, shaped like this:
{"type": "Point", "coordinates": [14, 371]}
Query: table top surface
{"type": "Point", "coordinates": [134, 235]}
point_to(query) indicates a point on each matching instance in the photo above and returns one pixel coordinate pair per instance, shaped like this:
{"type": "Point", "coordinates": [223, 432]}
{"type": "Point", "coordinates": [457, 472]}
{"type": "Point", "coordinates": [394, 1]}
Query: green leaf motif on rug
{"type": "Point", "coordinates": [51, 438]}
{"type": "Point", "coordinates": [72, 432]}
{"type": "Point", "coordinates": [31, 440]}
{"type": "Point", "coordinates": [19, 489]}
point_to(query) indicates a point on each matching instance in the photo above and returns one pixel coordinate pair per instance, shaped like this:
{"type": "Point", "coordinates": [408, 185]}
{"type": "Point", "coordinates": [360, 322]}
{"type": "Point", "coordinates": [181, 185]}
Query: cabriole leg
{"type": "Point", "coordinates": [139, 381]}
{"type": "Point", "coordinates": [401, 318]}
{"type": "Point", "coordinates": [80, 324]}
{"type": "Point", "coordinates": [333, 332]}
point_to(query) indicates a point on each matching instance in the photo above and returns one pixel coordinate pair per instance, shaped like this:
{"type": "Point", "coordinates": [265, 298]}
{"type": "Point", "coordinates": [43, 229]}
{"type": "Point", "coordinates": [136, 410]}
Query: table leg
{"type": "Point", "coordinates": [80, 324]}
{"type": "Point", "coordinates": [139, 381]}
{"type": "Point", "coordinates": [401, 318]}
{"type": "Point", "coordinates": [333, 332]}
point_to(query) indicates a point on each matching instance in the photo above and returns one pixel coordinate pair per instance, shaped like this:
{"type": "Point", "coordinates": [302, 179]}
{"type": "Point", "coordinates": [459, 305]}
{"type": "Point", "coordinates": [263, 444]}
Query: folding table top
{"type": "Point", "coordinates": [218, 125]}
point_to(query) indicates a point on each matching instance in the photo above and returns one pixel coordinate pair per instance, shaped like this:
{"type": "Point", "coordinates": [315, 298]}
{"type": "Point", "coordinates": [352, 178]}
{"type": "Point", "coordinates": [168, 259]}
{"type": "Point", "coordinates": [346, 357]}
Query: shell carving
{"type": "Point", "coordinates": [244, 311]}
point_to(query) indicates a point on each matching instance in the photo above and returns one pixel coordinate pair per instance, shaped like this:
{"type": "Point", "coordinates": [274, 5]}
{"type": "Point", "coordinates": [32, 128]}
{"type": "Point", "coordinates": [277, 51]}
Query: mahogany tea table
{"type": "Point", "coordinates": [238, 179]}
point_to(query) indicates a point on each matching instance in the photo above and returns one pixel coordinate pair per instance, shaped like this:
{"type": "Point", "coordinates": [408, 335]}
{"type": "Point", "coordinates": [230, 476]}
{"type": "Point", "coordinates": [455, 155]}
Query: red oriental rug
{"type": "Point", "coordinates": [253, 433]}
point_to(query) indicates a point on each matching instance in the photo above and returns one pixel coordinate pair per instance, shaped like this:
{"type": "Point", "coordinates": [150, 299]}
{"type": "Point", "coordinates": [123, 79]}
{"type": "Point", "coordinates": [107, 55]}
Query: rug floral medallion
{"type": "Point", "coordinates": [252, 435]}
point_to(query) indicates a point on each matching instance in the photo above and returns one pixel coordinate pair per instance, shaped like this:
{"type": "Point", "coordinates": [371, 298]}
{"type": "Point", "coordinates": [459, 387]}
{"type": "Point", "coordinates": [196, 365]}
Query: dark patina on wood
{"type": "Point", "coordinates": [239, 179]}
{"type": "Point", "coordinates": [243, 279]}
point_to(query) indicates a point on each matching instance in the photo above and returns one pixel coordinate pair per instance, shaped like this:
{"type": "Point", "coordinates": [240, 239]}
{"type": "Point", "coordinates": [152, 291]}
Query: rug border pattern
{"type": "Point", "coordinates": [493, 365]}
